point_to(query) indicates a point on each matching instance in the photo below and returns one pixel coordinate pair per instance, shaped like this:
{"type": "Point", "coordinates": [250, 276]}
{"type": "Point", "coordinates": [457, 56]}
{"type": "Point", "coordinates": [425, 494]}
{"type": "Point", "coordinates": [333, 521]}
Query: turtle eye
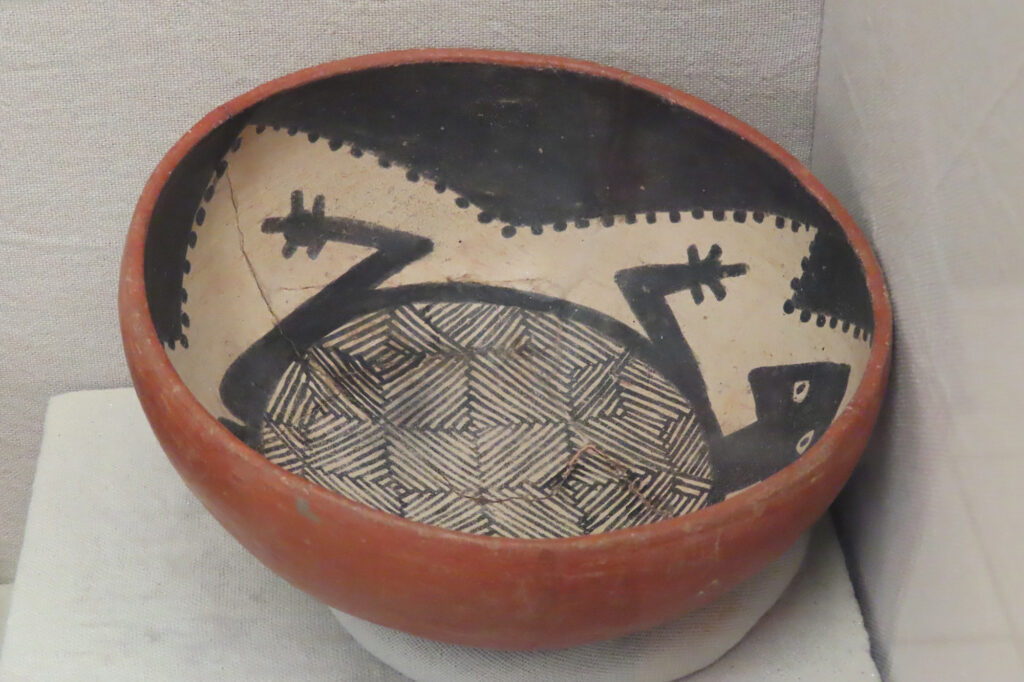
{"type": "Point", "coordinates": [804, 442]}
{"type": "Point", "coordinates": [800, 390]}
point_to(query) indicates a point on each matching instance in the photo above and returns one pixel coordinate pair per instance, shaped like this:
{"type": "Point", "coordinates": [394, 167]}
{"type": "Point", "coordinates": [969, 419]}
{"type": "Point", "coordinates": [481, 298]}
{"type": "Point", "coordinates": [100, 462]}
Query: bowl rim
{"type": "Point", "coordinates": [153, 372]}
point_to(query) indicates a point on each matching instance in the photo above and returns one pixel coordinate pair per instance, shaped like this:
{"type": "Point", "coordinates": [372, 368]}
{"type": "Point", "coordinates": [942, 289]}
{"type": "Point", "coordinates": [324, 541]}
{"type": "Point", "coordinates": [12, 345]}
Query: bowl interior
{"type": "Point", "coordinates": [508, 301]}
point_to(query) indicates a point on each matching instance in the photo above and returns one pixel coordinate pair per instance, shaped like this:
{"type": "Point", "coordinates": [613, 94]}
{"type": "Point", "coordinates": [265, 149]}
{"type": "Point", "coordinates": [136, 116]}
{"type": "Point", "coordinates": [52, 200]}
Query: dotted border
{"type": "Point", "coordinates": [193, 239]}
{"type": "Point", "coordinates": [412, 175]}
{"type": "Point", "coordinates": [509, 230]}
{"type": "Point", "coordinates": [789, 307]}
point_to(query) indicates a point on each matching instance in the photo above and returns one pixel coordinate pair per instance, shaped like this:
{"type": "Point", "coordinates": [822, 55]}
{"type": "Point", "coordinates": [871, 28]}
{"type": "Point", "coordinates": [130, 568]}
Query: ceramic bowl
{"type": "Point", "coordinates": [501, 350]}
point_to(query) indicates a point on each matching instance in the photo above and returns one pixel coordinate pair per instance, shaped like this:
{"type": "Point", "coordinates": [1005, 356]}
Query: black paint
{"type": "Point", "coordinates": [171, 222]}
{"type": "Point", "coordinates": [608, 148]}
{"type": "Point", "coordinates": [759, 450]}
{"type": "Point", "coordinates": [248, 381]}
{"type": "Point", "coordinates": [252, 378]}
{"type": "Point", "coordinates": [311, 229]}
{"type": "Point", "coordinates": [645, 289]}
{"type": "Point", "coordinates": [487, 376]}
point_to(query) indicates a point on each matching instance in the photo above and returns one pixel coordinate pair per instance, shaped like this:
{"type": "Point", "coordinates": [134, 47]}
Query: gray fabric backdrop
{"type": "Point", "coordinates": [93, 93]}
{"type": "Point", "coordinates": [920, 132]}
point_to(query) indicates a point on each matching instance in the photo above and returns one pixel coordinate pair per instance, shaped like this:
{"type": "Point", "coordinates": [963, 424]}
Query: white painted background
{"type": "Point", "coordinates": [918, 127]}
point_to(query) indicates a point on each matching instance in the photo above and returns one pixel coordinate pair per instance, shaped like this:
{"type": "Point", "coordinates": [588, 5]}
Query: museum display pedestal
{"type": "Point", "coordinates": [124, 576]}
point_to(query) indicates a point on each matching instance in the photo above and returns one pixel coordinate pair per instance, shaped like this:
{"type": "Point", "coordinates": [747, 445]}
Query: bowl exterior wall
{"type": "Point", "coordinates": [475, 590]}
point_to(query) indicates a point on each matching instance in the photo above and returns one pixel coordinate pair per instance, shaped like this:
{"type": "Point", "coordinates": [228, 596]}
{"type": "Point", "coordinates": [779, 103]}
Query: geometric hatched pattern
{"type": "Point", "coordinates": [489, 419]}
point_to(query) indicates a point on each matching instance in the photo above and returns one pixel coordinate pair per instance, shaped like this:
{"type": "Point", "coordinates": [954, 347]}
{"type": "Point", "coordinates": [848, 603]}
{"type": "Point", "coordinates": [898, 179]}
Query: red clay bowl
{"type": "Point", "coordinates": [501, 350]}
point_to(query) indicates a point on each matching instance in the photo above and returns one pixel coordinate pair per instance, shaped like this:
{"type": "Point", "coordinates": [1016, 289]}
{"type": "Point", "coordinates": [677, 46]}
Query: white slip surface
{"type": "Point", "coordinates": [124, 576]}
